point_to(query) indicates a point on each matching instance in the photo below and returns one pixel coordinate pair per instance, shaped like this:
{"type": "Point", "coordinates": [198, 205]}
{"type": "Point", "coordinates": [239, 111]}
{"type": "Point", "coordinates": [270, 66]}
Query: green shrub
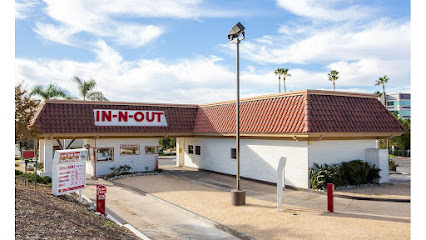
{"type": "Point", "coordinates": [18, 172]}
{"type": "Point", "coordinates": [121, 170]}
{"type": "Point", "coordinates": [16, 164]}
{"type": "Point", "coordinates": [354, 172]}
{"type": "Point", "coordinates": [357, 172]}
{"type": "Point", "coordinates": [110, 175]}
{"type": "Point", "coordinates": [47, 180]}
{"type": "Point", "coordinates": [392, 164]}
{"type": "Point", "coordinates": [30, 178]}
{"type": "Point", "coordinates": [40, 165]}
{"type": "Point", "coordinates": [18, 158]}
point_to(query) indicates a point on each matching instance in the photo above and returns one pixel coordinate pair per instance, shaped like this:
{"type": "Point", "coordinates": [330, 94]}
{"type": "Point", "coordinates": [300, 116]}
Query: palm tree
{"type": "Point", "coordinates": [278, 72]}
{"type": "Point", "coordinates": [333, 75]}
{"type": "Point", "coordinates": [284, 72]}
{"type": "Point", "coordinates": [50, 92]}
{"type": "Point", "coordinates": [382, 81]}
{"type": "Point", "coordinates": [86, 90]}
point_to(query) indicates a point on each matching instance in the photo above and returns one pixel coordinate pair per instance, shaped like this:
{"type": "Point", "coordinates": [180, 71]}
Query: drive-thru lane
{"type": "Point", "coordinates": [156, 219]}
{"type": "Point", "coordinates": [292, 197]}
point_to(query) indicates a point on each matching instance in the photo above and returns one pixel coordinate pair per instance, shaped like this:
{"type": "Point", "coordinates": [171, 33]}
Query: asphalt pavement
{"type": "Point", "coordinates": [403, 171]}
{"type": "Point", "coordinates": [154, 218]}
{"type": "Point", "coordinates": [291, 197]}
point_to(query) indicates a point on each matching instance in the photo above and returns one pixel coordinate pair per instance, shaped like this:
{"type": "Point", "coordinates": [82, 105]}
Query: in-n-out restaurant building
{"type": "Point", "coordinates": [305, 127]}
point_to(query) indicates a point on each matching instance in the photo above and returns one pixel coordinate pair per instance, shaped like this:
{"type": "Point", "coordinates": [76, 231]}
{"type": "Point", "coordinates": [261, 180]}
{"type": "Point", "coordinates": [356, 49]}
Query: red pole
{"type": "Point", "coordinates": [156, 163]}
{"type": "Point", "coordinates": [330, 200]}
{"type": "Point", "coordinates": [100, 198]}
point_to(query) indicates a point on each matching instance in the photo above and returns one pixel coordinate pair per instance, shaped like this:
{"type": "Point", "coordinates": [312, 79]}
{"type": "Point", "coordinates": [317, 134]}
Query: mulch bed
{"type": "Point", "coordinates": [41, 215]}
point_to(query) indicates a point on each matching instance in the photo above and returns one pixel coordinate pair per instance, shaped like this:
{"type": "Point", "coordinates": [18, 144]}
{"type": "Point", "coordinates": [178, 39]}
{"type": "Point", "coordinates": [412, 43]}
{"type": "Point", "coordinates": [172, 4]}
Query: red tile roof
{"type": "Point", "coordinates": [301, 112]}
{"type": "Point", "coordinates": [57, 116]}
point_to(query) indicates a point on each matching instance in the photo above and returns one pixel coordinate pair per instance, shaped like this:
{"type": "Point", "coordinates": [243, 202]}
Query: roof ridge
{"type": "Point", "coordinates": [293, 93]}
{"type": "Point", "coordinates": [306, 113]}
{"type": "Point", "coordinates": [119, 103]}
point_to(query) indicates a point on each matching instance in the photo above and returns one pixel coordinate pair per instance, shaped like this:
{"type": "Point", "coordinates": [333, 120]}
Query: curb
{"type": "Point", "coordinates": [217, 225]}
{"type": "Point", "coordinates": [355, 197]}
{"type": "Point", "coordinates": [110, 217]}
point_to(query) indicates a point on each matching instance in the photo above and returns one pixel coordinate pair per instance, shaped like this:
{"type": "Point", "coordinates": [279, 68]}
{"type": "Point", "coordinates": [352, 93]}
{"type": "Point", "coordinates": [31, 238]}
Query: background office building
{"type": "Point", "coordinates": [399, 103]}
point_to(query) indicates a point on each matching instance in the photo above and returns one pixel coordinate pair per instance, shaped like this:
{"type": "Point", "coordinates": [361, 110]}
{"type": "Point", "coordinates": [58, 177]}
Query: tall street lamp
{"type": "Point", "coordinates": [238, 196]}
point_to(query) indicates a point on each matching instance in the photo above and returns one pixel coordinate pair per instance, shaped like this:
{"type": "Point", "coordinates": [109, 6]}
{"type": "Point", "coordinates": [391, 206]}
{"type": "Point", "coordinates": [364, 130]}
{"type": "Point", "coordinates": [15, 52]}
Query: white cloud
{"type": "Point", "coordinates": [199, 79]}
{"type": "Point", "coordinates": [196, 80]}
{"type": "Point", "coordinates": [59, 34]}
{"type": "Point", "coordinates": [104, 20]}
{"type": "Point", "coordinates": [23, 8]}
{"type": "Point", "coordinates": [381, 39]}
{"type": "Point", "coordinates": [110, 20]}
{"type": "Point", "coordinates": [326, 9]}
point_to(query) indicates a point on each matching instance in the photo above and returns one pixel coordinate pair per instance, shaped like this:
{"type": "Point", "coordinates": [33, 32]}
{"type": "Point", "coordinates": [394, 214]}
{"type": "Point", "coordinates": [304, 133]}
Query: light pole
{"type": "Point", "coordinates": [238, 196]}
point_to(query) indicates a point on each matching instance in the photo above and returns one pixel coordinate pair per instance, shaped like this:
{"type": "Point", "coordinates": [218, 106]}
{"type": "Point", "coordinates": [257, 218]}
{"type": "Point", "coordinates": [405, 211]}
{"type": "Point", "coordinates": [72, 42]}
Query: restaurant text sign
{"type": "Point", "coordinates": [113, 117]}
{"type": "Point", "coordinates": [69, 171]}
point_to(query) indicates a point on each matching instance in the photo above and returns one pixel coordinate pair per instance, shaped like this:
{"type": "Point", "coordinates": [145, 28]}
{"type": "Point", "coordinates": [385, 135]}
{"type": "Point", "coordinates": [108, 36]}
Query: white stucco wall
{"type": "Point", "coordinates": [259, 158]}
{"type": "Point", "coordinates": [90, 163]}
{"type": "Point", "coordinates": [379, 159]}
{"type": "Point", "coordinates": [46, 156]}
{"type": "Point", "coordinates": [337, 151]}
{"type": "Point", "coordinates": [141, 162]}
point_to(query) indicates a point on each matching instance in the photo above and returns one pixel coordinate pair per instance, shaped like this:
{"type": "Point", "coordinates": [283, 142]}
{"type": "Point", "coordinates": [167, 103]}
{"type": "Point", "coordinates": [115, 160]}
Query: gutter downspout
{"type": "Point", "coordinates": [94, 154]}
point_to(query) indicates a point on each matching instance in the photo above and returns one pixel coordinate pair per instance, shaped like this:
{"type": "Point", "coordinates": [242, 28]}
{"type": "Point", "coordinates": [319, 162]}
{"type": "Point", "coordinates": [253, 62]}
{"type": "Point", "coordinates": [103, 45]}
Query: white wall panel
{"type": "Point", "coordinates": [259, 158]}
{"type": "Point", "coordinates": [137, 162]}
{"type": "Point", "coordinates": [337, 151]}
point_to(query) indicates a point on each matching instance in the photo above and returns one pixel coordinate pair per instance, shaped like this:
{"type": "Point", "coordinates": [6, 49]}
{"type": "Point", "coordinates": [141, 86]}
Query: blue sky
{"type": "Point", "coordinates": [178, 51]}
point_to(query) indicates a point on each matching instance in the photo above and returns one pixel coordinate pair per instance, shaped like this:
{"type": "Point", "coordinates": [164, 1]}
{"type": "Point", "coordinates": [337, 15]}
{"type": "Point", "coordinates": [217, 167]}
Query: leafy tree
{"type": "Point", "coordinates": [402, 142]}
{"type": "Point", "coordinates": [51, 91]}
{"type": "Point", "coordinates": [86, 90]}
{"type": "Point", "coordinates": [167, 143]}
{"type": "Point", "coordinates": [333, 75]}
{"type": "Point", "coordinates": [382, 81]}
{"type": "Point", "coordinates": [25, 108]}
{"type": "Point", "coordinates": [284, 72]}
{"type": "Point", "coordinates": [278, 72]}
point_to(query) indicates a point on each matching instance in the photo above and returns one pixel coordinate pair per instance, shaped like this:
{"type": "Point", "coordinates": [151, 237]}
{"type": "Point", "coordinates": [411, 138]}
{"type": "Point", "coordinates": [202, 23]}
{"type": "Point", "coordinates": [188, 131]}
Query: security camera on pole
{"type": "Point", "coordinates": [238, 196]}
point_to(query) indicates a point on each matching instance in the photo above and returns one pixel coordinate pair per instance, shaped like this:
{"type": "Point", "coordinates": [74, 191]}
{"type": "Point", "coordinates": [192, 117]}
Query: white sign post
{"type": "Point", "coordinates": [69, 171]}
{"type": "Point", "coordinates": [280, 182]}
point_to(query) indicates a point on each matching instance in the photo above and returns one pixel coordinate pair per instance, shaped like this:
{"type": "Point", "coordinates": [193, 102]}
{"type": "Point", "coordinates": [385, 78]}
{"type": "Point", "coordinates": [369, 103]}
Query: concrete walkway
{"type": "Point", "coordinates": [292, 197]}
{"type": "Point", "coordinates": [154, 218]}
{"type": "Point", "coordinates": [403, 171]}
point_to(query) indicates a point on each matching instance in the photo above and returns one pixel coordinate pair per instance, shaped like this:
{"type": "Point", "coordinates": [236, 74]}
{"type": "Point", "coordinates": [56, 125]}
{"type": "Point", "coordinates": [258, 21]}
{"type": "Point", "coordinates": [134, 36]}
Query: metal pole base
{"type": "Point", "coordinates": [238, 197]}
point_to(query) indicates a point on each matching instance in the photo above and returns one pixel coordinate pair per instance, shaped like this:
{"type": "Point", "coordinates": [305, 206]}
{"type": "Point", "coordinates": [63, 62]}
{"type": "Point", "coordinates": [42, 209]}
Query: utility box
{"type": "Point", "coordinates": [379, 158]}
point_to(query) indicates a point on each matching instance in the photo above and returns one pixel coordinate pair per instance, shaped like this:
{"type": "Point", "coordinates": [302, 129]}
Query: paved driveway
{"type": "Point", "coordinates": [292, 197]}
{"type": "Point", "coordinates": [154, 218]}
{"type": "Point", "coordinates": [403, 171]}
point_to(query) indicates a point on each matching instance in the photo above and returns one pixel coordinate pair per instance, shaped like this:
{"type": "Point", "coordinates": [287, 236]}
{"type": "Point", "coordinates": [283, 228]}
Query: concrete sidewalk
{"type": "Point", "coordinates": [292, 197]}
{"type": "Point", "coordinates": [153, 217]}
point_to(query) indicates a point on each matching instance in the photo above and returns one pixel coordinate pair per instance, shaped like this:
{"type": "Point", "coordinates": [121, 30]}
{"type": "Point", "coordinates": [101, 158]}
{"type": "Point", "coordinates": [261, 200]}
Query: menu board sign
{"type": "Point", "coordinates": [69, 171]}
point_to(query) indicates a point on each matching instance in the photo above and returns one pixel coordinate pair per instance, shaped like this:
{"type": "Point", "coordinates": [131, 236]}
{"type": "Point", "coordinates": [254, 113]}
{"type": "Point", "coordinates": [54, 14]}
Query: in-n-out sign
{"type": "Point", "coordinates": [113, 117]}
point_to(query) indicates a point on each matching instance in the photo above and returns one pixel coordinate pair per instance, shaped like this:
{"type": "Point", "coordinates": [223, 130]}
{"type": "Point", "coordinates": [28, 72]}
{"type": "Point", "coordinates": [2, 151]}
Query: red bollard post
{"type": "Point", "coordinates": [330, 200]}
{"type": "Point", "coordinates": [156, 163]}
{"type": "Point", "coordinates": [100, 198]}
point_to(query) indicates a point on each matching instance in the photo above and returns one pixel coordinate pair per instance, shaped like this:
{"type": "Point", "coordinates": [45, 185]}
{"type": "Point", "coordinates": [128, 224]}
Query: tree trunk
{"type": "Point", "coordinates": [279, 84]}
{"type": "Point", "coordinates": [285, 89]}
{"type": "Point", "coordinates": [21, 150]}
{"type": "Point", "coordinates": [334, 85]}
{"type": "Point", "coordinates": [384, 95]}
